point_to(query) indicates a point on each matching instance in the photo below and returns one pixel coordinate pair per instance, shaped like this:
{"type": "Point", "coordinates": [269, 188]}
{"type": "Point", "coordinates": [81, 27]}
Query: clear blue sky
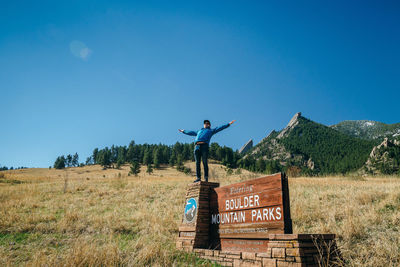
{"type": "Point", "coordinates": [75, 75]}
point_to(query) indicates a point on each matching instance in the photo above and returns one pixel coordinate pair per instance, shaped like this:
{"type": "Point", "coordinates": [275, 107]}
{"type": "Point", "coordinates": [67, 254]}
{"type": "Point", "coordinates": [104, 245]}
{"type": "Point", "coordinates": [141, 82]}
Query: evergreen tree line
{"type": "Point", "coordinates": [5, 168]}
{"type": "Point", "coordinates": [153, 155]}
{"type": "Point", "coordinates": [149, 154]}
{"type": "Point", "coordinates": [67, 161]}
{"type": "Point", "coordinates": [261, 165]}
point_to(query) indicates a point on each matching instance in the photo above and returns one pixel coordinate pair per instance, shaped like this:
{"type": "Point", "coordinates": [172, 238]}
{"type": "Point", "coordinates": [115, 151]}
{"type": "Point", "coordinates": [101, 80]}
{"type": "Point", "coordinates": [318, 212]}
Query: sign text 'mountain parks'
{"type": "Point", "coordinates": [244, 214]}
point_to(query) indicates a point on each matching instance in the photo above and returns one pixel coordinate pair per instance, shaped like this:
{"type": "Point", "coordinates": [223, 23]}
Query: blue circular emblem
{"type": "Point", "coordinates": [190, 209]}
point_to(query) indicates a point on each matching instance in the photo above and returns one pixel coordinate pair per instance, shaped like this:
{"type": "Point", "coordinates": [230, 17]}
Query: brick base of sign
{"type": "Point", "coordinates": [194, 234]}
{"type": "Point", "coordinates": [283, 250]}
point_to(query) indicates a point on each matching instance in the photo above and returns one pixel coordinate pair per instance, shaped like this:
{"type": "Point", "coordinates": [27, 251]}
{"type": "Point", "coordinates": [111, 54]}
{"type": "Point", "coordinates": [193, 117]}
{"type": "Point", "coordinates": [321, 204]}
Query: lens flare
{"type": "Point", "coordinates": [80, 50]}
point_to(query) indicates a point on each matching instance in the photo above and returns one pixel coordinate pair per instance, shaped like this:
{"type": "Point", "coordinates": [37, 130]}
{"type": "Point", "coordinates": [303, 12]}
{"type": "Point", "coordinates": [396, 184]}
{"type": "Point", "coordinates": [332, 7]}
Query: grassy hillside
{"type": "Point", "coordinates": [90, 217]}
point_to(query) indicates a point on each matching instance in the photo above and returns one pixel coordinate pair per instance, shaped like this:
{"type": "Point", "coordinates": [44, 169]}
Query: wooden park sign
{"type": "Point", "coordinates": [249, 224]}
{"type": "Point", "coordinates": [243, 215]}
{"type": "Point", "coordinates": [237, 217]}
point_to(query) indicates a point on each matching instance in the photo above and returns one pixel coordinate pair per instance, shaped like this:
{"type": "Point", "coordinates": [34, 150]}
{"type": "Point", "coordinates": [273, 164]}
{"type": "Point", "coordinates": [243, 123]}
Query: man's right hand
{"type": "Point", "coordinates": [181, 130]}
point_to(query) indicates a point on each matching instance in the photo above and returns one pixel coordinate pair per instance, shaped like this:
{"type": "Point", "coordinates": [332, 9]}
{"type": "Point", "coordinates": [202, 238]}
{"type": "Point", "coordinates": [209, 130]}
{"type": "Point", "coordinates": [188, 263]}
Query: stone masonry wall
{"type": "Point", "coordinates": [194, 234]}
{"type": "Point", "coordinates": [283, 250]}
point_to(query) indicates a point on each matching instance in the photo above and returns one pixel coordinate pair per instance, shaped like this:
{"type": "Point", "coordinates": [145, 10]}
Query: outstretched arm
{"type": "Point", "coordinates": [192, 133]}
{"type": "Point", "coordinates": [220, 128]}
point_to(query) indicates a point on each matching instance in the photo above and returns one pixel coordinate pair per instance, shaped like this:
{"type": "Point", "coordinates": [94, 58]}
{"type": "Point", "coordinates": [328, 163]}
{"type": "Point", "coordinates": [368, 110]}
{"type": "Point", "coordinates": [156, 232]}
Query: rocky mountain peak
{"type": "Point", "coordinates": [385, 144]}
{"type": "Point", "coordinates": [382, 158]}
{"type": "Point", "coordinates": [246, 147]}
{"type": "Point", "coordinates": [292, 123]}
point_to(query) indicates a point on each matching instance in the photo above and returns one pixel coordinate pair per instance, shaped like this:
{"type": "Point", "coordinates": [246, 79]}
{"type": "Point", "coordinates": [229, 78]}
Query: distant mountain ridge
{"type": "Point", "coordinates": [367, 129]}
{"type": "Point", "coordinates": [315, 148]}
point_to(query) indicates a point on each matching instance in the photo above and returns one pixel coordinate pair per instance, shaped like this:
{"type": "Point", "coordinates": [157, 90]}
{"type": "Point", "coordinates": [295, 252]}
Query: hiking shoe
{"type": "Point", "coordinates": [197, 180]}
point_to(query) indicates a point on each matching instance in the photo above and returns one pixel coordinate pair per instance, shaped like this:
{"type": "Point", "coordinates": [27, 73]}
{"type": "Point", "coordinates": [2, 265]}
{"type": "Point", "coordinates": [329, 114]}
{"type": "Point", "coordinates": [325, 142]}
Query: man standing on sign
{"type": "Point", "coordinates": [202, 141]}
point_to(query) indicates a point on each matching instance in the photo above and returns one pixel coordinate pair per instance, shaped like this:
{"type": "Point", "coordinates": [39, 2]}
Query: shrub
{"type": "Point", "coordinates": [293, 171]}
{"type": "Point", "coordinates": [187, 170]}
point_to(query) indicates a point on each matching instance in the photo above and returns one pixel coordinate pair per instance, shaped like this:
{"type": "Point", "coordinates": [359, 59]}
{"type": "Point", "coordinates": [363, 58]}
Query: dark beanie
{"type": "Point", "coordinates": [207, 121]}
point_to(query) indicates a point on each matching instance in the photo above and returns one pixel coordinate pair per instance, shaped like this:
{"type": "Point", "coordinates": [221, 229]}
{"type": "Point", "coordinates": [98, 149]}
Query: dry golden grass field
{"type": "Point", "coordinates": [92, 217]}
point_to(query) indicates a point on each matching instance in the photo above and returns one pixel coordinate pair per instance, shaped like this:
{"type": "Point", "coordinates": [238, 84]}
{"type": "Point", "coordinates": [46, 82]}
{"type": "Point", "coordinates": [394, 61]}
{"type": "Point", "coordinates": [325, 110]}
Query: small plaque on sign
{"type": "Point", "coordinates": [251, 245]}
{"type": "Point", "coordinates": [190, 210]}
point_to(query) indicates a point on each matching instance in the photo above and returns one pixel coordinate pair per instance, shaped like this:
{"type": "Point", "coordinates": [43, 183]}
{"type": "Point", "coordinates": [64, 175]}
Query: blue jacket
{"type": "Point", "coordinates": [205, 134]}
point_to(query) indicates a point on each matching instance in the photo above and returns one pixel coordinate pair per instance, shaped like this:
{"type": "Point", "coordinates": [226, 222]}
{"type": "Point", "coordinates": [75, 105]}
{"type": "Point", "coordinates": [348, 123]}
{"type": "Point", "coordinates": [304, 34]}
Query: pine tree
{"type": "Point", "coordinates": [186, 152]}
{"type": "Point", "coordinates": [213, 151]}
{"type": "Point", "coordinates": [149, 169]}
{"type": "Point", "coordinates": [147, 157]}
{"type": "Point", "coordinates": [135, 168]}
{"type": "Point", "coordinates": [130, 152]}
{"type": "Point", "coordinates": [94, 155]}
{"type": "Point", "coordinates": [119, 163]}
{"type": "Point", "coordinates": [166, 154]}
{"type": "Point", "coordinates": [219, 153]}
{"type": "Point", "coordinates": [75, 160]}
{"type": "Point", "coordinates": [260, 165]}
{"type": "Point", "coordinates": [172, 160]}
{"type": "Point", "coordinates": [59, 163]}
{"type": "Point", "coordinates": [121, 154]}
{"type": "Point", "coordinates": [104, 157]}
{"type": "Point", "coordinates": [157, 155]}
{"type": "Point", "coordinates": [68, 161]}
{"type": "Point", "coordinates": [179, 163]}
{"type": "Point", "coordinates": [89, 160]}
{"type": "Point", "coordinates": [113, 154]}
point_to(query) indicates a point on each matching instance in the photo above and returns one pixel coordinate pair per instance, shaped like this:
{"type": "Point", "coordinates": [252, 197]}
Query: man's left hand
{"type": "Point", "coordinates": [232, 122]}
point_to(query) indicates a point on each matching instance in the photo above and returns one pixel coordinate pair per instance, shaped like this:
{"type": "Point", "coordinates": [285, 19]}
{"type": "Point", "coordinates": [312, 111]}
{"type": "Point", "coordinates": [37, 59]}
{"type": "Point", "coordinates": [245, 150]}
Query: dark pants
{"type": "Point", "coordinates": [201, 154]}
